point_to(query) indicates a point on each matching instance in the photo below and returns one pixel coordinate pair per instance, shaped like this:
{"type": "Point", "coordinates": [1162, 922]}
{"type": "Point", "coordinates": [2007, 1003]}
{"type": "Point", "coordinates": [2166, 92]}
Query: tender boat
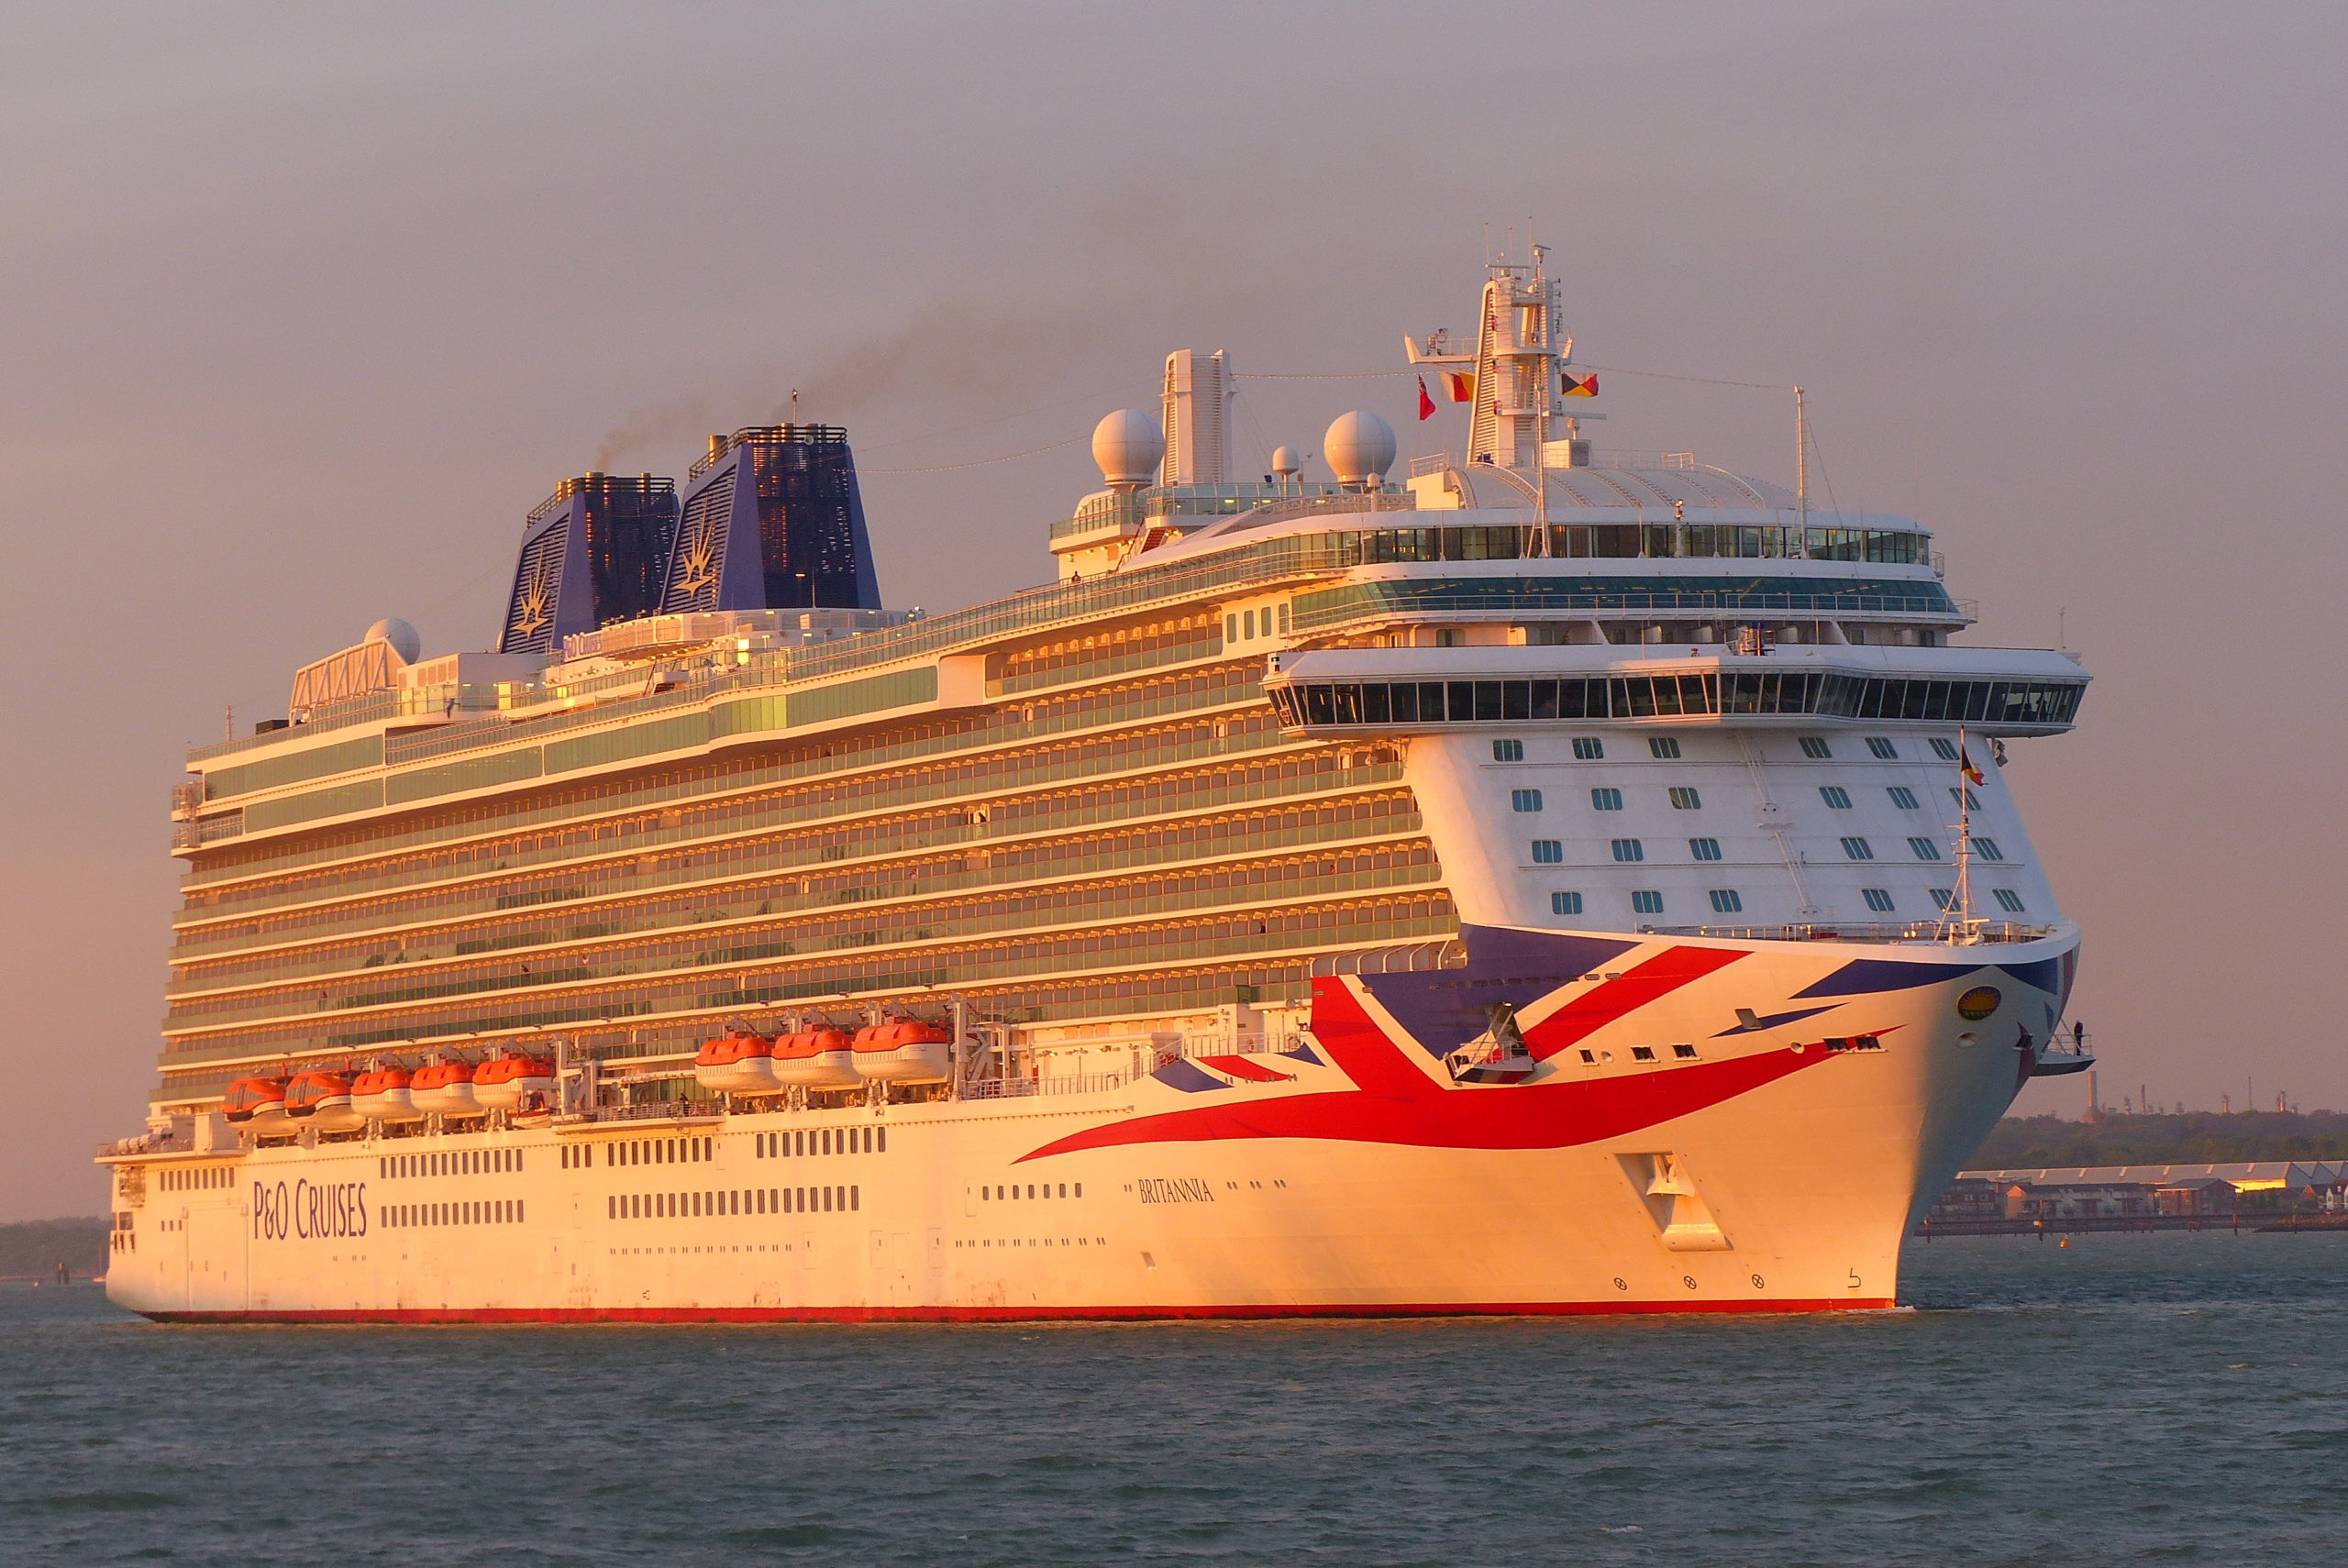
{"type": "Point", "coordinates": [257, 1103]}
{"type": "Point", "coordinates": [738, 1062]}
{"type": "Point", "coordinates": [321, 1100]}
{"type": "Point", "coordinates": [817, 1059]}
{"type": "Point", "coordinates": [905, 1051]}
{"type": "Point", "coordinates": [444, 1089]}
{"type": "Point", "coordinates": [382, 1094]}
{"type": "Point", "coordinates": [513, 1083]}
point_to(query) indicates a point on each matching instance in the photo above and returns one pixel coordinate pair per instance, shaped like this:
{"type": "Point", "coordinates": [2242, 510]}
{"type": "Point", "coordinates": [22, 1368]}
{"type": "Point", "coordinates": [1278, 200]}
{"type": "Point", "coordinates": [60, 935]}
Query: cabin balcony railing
{"type": "Point", "coordinates": [1945, 934]}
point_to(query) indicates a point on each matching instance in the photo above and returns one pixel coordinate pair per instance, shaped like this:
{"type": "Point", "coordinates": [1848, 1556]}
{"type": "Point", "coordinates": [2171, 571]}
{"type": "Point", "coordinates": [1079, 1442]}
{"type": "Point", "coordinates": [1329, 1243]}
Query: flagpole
{"type": "Point", "coordinates": [1964, 838]}
{"type": "Point", "coordinates": [1541, 410]}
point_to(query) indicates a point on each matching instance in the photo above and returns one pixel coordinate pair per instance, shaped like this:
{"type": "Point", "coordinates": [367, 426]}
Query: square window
{"type": "Point", "coordinates": [1508, 751]}
{"type": "Point", "coordinates": [1923, 849]}
{"type": "Point", "coordinates": [1247, 625]}
{"type": "Point", "coordinates": [1646, 902]}
{"type": "Point", "coordinates": [1524, 800]}
{"type": "Point", "coordinates": [1902, 797]}
{"type": "Point", "coordinates": [1684, 1052]}
{"type": "Point", "coordinates": [1606, 800]}
{"type": "Point", "coordinates": [1641, 1052]}
{"type": "Point", "coordinates": [1665, 746]}
{"type": "Point", "coordinates": [1987, 849]}
{"type": "Point", "coordinates": [1704, 848]}
{"type": "Point", "coordinates": [1837, 799]}
{"type": "Point", "coordinates": [1816, 747]}
{"type": "Point", "coordinates": [1944, 749]}
{"type": "Point", "coordinates": [1629, 849]}
{"type": "Point", "coordinates": [1727, 900]}
{"type": "Point", "coordinates": [1564, 903]}
{"type": "Point", "coordinates": [1943, 898]}
{"type": "Point", "coordinates": [2007, 900]}
{"type": "Point", "coordinates": [1231, 628]}
{"type": "Point", "coordinates": [1587, 1054]}
{"type": "Point", "coordinates": [1588, 749]}
{"type": "Point", "coordinates": [1881, 745]}
{"type": "Point", "coordinates": [1965, 798]}
{"type": "Point", "coordinates": [1878, 898]}
{"type": "Point", "coordinates": [1687, 800]}
{"type": "Point", "coordinates": [1858, 849]}
{"type": "Point", "coordinates": [1548, 851]}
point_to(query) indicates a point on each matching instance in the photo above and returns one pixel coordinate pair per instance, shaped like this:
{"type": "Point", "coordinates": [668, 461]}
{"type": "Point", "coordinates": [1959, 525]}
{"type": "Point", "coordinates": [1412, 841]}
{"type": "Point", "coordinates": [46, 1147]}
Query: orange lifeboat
{"type": "Point", "coordinates": [506, 1083]}
{"type": "Point", "coordinates": [444, 1089]}
{"type": "Point", "coordinates": [817, 1059]}
{"type": "Point", "coordinates": [905, 1051]}
{"type": "Point", "coordinates": [738, 1061]}
{"type": "Point", "coordinates": [382, 1094]}
{"type": "Point", "coordinates": [257, 1103]}
{"type": "Point", "coordinates": [321, 1100]}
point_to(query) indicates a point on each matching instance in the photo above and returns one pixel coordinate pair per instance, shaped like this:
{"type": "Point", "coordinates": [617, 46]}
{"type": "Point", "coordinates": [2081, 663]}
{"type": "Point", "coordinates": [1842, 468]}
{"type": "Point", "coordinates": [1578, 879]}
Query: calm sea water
{"type": "Point", "coordinates": [2128, 1399]}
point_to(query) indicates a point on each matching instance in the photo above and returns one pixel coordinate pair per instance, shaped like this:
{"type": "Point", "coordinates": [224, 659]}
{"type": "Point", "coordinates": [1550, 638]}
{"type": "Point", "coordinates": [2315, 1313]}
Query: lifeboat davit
{"type": "Point", "coordinates": [739, 1062]}
{"type": "Point", "coordinates": [444, 1089]}
{"type": "Point", "coordinates": [321, 1101]}
{"type": "Point", "coordinates": [904, 1051]}
{"type": "Point", "coordinates": [817, 1059]}
{"type": "Point", "coordinates": [508, 1083]}
{"type": "Point", "coordinates": [257, 1103]}
{"type": "Point", "coordinates": [381, 1093]}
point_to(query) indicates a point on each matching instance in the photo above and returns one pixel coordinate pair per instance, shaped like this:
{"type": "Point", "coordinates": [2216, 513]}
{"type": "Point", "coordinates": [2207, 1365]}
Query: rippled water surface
{"type": "Point", "coordinates": [2128, 1399]}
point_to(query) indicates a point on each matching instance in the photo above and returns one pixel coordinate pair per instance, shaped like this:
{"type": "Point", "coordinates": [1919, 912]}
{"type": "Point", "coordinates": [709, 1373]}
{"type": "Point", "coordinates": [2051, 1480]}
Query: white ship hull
{"type": "Point", "coordinates": [1347, 1176]}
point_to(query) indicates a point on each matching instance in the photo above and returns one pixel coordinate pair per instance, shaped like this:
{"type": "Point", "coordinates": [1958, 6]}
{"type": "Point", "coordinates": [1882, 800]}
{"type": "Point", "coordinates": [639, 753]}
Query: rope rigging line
{"type": "Point", "coordinates": [982, 462]}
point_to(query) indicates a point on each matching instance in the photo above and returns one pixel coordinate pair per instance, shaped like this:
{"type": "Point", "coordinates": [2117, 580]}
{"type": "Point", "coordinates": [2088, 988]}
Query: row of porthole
{"type": "Point", "coordinates": [1690, 1281]}
{"type": "Point", "coordinates": [996, 1194]}
{"type": "Point", "coordinates": [733, 1200]}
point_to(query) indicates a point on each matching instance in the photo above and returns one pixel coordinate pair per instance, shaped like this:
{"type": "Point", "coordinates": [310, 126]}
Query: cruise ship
{"type": "Point", "coordinates": [1548, 880]}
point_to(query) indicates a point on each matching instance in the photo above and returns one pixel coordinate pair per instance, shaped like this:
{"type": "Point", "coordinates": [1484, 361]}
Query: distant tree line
{"type": "Point", "coordinates": [36, 1247]}
{"type": "Point", "coordinates": [2198, 1137]}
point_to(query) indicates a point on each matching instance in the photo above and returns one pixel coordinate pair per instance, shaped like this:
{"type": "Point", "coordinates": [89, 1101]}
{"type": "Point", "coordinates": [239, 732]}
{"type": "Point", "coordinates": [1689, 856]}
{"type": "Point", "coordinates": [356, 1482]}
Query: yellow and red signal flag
{"type": "Point", "coordinates": [1571, 385]}
{"type": "Point", "coordinates": [1461, 385]}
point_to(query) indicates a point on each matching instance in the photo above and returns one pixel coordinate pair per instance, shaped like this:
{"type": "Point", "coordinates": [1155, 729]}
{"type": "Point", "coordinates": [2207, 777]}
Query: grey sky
{"type": "Point", "coordinates": [305, 307]}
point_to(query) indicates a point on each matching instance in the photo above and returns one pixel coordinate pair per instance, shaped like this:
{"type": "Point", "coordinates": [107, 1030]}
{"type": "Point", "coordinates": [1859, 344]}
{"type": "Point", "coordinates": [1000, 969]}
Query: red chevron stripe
{"type": "Point", "coordinates": [1410, 1107]}
{"type": "Point", "coordinates": [1594, 1010]}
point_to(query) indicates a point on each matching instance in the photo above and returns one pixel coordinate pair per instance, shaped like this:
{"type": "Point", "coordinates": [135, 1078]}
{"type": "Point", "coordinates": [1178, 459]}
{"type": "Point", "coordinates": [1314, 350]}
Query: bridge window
{"type": "Point", "coordinates": [1881, 745]}
{"type": "Point", "coordinates": [1942, 897]}
{"type": "Point", "coordinates": [1508, 751]}
{"type": "Point", "coordinates": [1524, 800]}
{"type": "Point", "coordinates": [1902, 797]}
{"type": "Point", "coordinates": [1727, 900]}
{"type": "Point", "coordinates": [1816, 747]}
{"type": "Point", "coordinates": [1704, 848]}
{"type": "Point", "coordinates": [1944, 748]}
{"type": "Point", "coordinates": [1606, 800]}
{"type": "Point", "coordinates": [1629, 849]}
{"type": "Point", "coordinates": [1987, 849]}
{"type": "Point", "coordinates": [1664, 747]}
{"type": "Point", "coordinates": [1878, 898]}
{"type": "Point", "coordinates": [1647, 902]}
{"type": "Point", "coordinates": [1837, 799]}
{"type": "Point", "coordinates": [1683, 800]}
{"type": "Point", "coordinates": [1858, 849]}
{"type": "Point", "coordinates": [1564, 903]}
{"type": "Point", "coordinates": [1923, 849]}
{"type": "Point", "coordinates": [1588, 749]}
{"type": "Point", "coordinates": [1966, 798]}
{"type": "Point", "coordinates": [2007, 900]}
{"type": "Point", "coordinates": [1548, 851]}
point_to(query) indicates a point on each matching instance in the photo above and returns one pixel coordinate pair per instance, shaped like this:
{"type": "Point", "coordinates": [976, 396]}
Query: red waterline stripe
{"type": "Point", "coordinates": [424, 1315]}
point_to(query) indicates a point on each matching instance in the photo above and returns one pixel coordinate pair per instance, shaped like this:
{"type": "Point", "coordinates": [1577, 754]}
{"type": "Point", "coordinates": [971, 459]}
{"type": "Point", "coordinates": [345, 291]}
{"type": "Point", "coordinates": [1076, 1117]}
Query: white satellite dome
{"type": "Point", "coordinates": [1285, 461]}
{"type": "Point", "coordinates": [399, 633]}
{"type": "Point", "coordinates": [1359, 447]}
{"type": "Point", "coordinates": [1128, 445]}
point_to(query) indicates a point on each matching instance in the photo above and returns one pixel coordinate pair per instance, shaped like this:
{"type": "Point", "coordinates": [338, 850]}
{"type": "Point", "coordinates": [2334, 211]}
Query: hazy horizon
{"type": "Point", "coordinates": [310, 308]}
